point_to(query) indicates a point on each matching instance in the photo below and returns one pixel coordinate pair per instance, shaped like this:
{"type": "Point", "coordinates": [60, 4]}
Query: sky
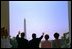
{"type": "Point", "coordinates": [41, 16]}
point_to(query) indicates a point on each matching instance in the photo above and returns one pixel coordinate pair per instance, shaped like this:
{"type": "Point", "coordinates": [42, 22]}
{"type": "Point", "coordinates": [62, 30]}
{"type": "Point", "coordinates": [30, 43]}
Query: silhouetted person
{"type": "Point", "coordinates": [56, 42]}
{"type": "Point", "coordinates": [2, 31]}
{"type": "Point", "coordinates": [22, 42]}
{"type": "Point", "coordinates": [34, 43]}
{"type": "Point", "coordinates": [46, 43]}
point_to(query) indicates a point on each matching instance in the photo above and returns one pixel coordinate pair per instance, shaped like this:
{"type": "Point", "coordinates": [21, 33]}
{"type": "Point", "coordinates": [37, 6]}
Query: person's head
{"type": "Point", "coordinates": [22, 34]}
{"type": "Point", "coordinates": [3, 29]}
{"type": "Point", "coordinates": [56, 35]}
{"type": "Point", "coordinates": [33, 35]}
{"type": "Point", "coordinates": [46, 37]}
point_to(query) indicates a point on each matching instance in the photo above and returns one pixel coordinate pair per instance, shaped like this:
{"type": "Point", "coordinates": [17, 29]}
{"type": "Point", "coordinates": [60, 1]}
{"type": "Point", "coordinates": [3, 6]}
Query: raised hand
{"type": "Point", "coordinates": [43, 33]}
{"type": "Point", "coordinates": [18, 32]}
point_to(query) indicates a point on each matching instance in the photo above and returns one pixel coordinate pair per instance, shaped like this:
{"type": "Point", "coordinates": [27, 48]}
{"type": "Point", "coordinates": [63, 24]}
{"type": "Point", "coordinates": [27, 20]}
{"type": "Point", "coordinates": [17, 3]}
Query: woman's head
{"type": "Point", "coordinates": [56, 35]}
{"type": "Point", "coordinates": [46, 37]}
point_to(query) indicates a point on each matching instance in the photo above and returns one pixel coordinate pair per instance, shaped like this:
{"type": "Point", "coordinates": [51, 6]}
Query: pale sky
{"type": "Point", "coordinates": [41, 16]}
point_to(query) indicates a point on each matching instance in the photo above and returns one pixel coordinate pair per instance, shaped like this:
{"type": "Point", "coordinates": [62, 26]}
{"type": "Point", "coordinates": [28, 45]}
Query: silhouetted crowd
{"type": "Point", "coordinates": [34, 42]}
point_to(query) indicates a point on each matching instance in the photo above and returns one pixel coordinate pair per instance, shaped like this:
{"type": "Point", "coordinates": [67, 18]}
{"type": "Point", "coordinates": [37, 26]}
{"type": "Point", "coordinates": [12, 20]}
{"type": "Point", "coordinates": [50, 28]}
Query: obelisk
{"type": "Point", "coordinates": [25, 27]}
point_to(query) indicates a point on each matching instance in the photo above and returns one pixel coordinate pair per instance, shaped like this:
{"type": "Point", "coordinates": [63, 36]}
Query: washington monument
{"type": "Point", "coordinates": [25, 27]}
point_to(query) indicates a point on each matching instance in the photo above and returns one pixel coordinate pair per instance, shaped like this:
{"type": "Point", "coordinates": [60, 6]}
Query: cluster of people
{"type": "Point", "coordinates": [4, 32]}
{"type": "Point", "coordinates": [21, 42]}
{"type": "Point", "coordinates": [34, 42]}
{"type": "Point", "coordinates": [5, 41]}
